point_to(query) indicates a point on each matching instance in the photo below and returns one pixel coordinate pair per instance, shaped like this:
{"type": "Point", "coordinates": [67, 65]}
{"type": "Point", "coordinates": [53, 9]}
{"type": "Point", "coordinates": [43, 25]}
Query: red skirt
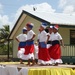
{"type": "Point", "coordinates": [29, 49]}
{"type": "Point", "coordinates": [43, 54]}
{"type": "Point", "coordinates": [55, 51]}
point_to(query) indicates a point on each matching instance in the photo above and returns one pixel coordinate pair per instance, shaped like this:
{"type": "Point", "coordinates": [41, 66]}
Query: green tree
{"type": "Point", "coordinates": [4, 33]}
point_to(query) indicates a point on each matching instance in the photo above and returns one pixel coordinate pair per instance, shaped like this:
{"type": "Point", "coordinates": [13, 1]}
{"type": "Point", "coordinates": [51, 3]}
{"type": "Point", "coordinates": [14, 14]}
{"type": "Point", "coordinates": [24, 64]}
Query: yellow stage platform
{"type": "Point", "coordinates": [41, 70]}
{"type": "Point", "coordinates": [51, 70]}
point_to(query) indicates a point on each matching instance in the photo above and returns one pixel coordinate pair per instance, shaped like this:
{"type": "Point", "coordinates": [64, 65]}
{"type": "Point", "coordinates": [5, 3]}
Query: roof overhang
{"type": "Point", "coordinates": [17, 25]}
{"type": "Point", "coordinates": [51, 18]}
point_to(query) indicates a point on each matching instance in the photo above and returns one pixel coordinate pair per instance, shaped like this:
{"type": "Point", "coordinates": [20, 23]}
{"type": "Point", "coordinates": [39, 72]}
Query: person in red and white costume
{"type": "Point", "coordinates": [22, 38]}
{"type": "Point", "coordinates": [50, 33]}
{"type": "Point", "coordinates": [55, 49]}
{"type": "Point", "coordinates": [30, 43]}
{"type": "Point", "coordinates": [43, 54]}
{"type": "Point", "coordinates": [49, 43]}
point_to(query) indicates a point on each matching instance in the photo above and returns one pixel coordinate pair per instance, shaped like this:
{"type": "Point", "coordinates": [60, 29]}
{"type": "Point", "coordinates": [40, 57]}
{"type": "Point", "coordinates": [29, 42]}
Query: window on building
{"type": "Point", "coordinates": [72, 37]}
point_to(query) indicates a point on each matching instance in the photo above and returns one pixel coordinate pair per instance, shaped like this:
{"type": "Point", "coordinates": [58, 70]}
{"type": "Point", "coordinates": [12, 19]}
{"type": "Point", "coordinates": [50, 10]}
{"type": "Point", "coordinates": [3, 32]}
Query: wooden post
{"type": "Point", "coordinates": [8, 49]}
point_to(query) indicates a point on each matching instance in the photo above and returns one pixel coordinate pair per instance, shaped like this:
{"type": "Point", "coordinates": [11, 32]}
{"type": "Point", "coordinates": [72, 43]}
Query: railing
{"type": "Point", "coordinates": [69, 50]}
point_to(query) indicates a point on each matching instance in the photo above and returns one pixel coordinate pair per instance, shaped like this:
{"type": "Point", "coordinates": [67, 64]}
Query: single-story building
{"type": "Point", "coordinates": [66, 29]}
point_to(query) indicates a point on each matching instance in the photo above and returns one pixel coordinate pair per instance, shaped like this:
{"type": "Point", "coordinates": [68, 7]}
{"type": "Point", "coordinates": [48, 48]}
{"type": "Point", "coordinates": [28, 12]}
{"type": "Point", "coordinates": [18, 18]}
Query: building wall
{"type": "Point", "coordinates": [35, 29]}
{"type": "Point", "coordinates": [65, 33]}
{"type": "Point", "coordinates": [69, 50]}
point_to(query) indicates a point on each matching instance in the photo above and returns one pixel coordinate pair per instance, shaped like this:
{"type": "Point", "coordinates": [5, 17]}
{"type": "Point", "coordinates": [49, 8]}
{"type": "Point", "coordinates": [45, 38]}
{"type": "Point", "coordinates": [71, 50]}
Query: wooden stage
{"type": "Point", "coordinates": [37, 66]}
{"type": "Point", "coordinates": [17, 64]}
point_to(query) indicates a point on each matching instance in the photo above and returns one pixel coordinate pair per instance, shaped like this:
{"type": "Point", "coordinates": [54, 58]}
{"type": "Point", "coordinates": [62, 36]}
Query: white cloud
{"type": "Point", "coordinates": [43, 7]}
{"type": "Point", "coordinates": [4, 20]}
{"type": "Point", "coordinates": [62, 3]}
{"type": "Point", "coordinates": [69, 9]}
{"type": "Point", "coordinates": [68, 6]}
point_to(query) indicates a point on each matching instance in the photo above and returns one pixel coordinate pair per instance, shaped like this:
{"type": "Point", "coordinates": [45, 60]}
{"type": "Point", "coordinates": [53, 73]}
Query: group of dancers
{"type": "Point", "coordinates": [47, 50]}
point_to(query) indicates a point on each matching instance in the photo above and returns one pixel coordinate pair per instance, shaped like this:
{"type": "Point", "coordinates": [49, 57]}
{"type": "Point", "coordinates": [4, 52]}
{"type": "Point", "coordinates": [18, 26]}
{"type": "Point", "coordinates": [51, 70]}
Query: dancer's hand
{"type": "Point", "coordinates": [45, 42]}
{"type": "Point", "coordinates": [63, 46]}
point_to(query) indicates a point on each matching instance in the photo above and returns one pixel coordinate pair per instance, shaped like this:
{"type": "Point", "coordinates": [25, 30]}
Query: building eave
{"type": "Point", "coordinates": [39, 19]}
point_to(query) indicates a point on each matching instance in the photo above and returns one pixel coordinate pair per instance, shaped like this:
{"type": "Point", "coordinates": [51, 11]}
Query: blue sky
{"type": "Point", "coordinates": [10, 6]}
{"type": "Point", "coordinates": [9, 9]}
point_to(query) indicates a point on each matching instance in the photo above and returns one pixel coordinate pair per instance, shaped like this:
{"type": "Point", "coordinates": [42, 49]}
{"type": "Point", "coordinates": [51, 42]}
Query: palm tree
{"type": "Point", "coordinates": [5, 44]}
{"type": "Point", "coordinates": [4, 33]}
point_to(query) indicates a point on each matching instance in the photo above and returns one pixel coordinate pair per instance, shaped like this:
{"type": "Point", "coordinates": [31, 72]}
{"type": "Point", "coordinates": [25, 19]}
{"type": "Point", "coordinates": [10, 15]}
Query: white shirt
{"type": "Point", "coordinates": [56, 36]}
{"type": "Point", "coordinates": [22, 37]}
{"type": "Point", "coordinates": [30, 34]}
{"type": "Point", "coordinates": [43, 36]}
{"type": "Point", "coordinates": [50, 39]}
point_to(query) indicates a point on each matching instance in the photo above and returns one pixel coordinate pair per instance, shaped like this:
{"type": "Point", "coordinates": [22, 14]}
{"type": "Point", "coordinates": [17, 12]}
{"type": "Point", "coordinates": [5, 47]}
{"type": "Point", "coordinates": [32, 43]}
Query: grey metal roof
{"type": "Point", "coordinates": [52, 18]}
{"type": "Point", "coordinates": [55, 18]}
